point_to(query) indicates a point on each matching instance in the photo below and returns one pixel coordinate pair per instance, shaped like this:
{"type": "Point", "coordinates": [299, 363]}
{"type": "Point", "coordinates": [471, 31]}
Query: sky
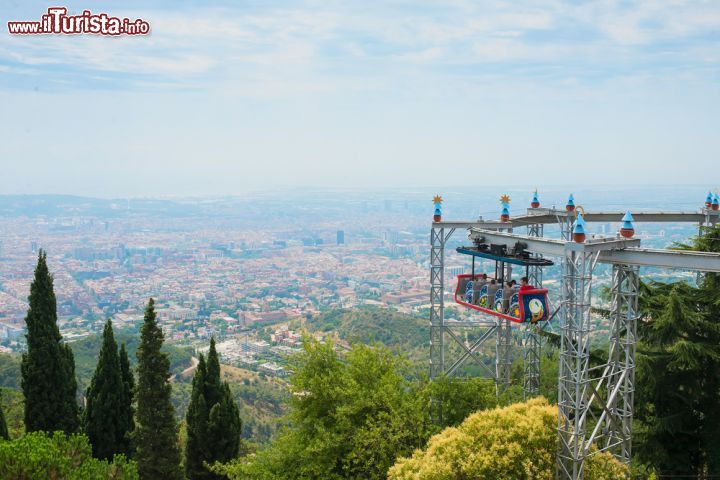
{"type": "Point", "coordinates": [225, 97]}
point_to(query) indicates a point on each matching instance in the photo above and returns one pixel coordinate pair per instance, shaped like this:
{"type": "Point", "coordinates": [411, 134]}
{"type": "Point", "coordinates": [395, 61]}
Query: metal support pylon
{"type": "Point", "coordinates": [574, 386]}
{"type": "Point", "coordinates": [595, 403]}
{"type": "Point", "coordinates": [621, 379]}
{"type": "Point", "coordinates": [531, 337]}
{"type": "Point", "coordinates": [503, 340]}
{"type": "Point", "coordinates": [437, 301]}
{"type": "Point", "coordinates": [503, 343]}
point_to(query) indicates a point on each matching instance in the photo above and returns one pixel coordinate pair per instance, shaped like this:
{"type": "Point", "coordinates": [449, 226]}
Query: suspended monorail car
{"type": "Point", "coordinates": [490, 294]}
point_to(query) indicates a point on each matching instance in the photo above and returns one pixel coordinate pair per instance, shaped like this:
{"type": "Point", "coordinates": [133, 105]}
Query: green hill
{"type": "Point", "coordinates": [10, 371]}
{"type": "Point", "coordinates": [404, 333]}
{"type": "Point", "coordinates": [87, 350]}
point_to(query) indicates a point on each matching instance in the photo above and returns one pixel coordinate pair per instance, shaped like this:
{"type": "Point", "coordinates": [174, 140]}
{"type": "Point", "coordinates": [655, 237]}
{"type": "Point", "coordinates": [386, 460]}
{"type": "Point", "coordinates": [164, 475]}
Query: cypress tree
{"type": "Point", "coordinates": [127, 411]}
{"type": "Point", "coordinates": [48, 367]}
{"type": "Point", "coordinates": [196, 420]}
{"type": "Point", "coordinates": [213, 384]}
{"type": "Point", "coordinates": [213, 420]}
{"type": "Point", "coordinates": [156, 441]}
{"type": "Point", "coordinates": [104, 419]}
{"type": "Point", "coordinates": [224, 428]}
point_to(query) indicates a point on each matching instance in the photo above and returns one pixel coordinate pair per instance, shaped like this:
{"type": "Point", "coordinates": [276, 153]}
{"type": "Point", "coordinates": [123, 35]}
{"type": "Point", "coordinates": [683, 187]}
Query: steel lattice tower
{"type": "Point", "coordinates": [595, 395]}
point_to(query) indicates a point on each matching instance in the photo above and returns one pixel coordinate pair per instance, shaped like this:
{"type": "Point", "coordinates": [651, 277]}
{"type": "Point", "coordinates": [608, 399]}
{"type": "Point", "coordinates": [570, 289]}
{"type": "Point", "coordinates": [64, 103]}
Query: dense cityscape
{"type": "Point", "coordinates": [217, 272]}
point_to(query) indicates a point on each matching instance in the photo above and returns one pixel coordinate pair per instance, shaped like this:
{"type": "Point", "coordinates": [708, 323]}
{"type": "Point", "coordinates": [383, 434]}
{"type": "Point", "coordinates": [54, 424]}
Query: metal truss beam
{"type": "Point", "coordinates": [549, 246]}
{"type": "Point", "coordinates": [490, 225]}
{"type": "Point", "coordinates": [685, 260]}
{"type": "Point", "coordinates": [614, 251]}
{"type": "Point", "coordinates": [550, 216]}
{"type": "Point", "coordinates": [540, 216]}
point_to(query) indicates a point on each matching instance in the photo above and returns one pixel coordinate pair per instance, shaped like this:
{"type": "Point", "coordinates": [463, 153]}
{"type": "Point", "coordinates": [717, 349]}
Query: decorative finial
{"type": "Point", "coordinates": [535, 200]}
{"type": "Point", "coordinates": [570, 206]}
{"type": "Point", "coordinates": [579, 229]}
{"type": "Point", "coordinates": [627, 229]}
{"type": "Point", "coordinates": [437, 200]}
{"type": "Point", "coordinates": [505, 212]}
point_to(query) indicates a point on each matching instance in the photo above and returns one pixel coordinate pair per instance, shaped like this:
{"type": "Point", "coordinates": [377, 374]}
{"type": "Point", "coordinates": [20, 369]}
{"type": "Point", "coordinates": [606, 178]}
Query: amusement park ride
{"type": "Point", "coordinates": [595, 403]}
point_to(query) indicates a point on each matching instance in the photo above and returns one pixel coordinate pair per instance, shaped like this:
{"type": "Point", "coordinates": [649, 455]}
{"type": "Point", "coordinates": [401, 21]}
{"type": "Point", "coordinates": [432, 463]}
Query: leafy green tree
{"type": "Point", "coordinates": [678, 386]}
{"type": "Point", "coordinates": [105, 416]}
{"type": "Point", "coordinates": [3, 425]}
{"type": "Point", "coordinates": [48, 367]}
{"type": "Point", "coordinates": [458, 398]}
{"type": "Point", "coordinates": [213, 420]}
{"type": "Point", "coordinates": [515, 442]}
{"type": "Point", "coordinates": [155, 436]}
{"type": "Point", "coordinates": [349, 419]}
{"type": "Point", "coordinates": [127, 412]}
{"type": "Point", "coordinates": [59, 456]}
{"type": "Point", "coordinates": [12, 406]}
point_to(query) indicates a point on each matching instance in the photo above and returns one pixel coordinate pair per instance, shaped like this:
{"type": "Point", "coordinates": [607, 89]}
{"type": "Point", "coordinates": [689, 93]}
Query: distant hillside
{"type": "Point", "coordinates": [404, 333]}
{"type": "Point", "coordinates": [86, 353]}
{"type": "Point", "coordinates": [262, 400]}
{"type": "Point", "coordinates": [63, 205]}
{"type": "Point", "coordinates": [10, 371]}
{"type": "Point", "coordinates": [87, 350]}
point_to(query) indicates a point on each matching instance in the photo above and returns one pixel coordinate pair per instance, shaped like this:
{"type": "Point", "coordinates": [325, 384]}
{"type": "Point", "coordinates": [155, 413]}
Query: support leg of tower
{"type": "Point", "coordinates": [573, 384]}
{"type": "Point", "coordinates": [531, 361]}
{"type": "Point", "coordinates": [437, 301]}
{"type": "Point", "coordinates": [531, 338]}
{"type": "Point", "coordinates": [623, 340]}
{"type": "Point", "coordinates": [503, 343]}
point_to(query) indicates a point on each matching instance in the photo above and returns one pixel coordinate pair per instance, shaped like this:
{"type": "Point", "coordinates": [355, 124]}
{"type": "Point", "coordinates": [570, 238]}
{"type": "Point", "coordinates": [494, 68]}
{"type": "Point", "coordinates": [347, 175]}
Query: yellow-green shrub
{"type": "Point", "coordinates": [516, 442]}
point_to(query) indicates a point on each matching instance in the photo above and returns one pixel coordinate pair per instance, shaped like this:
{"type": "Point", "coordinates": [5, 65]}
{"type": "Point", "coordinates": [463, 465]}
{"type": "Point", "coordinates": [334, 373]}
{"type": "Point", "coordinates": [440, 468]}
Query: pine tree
{"type": "Point", "coordinates": [127, 411]}
{"type": "Point", "coordinates": [156, 440]}
{"type": "Point", "coordinates": [104, 420]}
{"type": "Point", "coordinates": [3, 424]}
{"type": "Point", "coordinates": [48, 367]}
{"type": "Point", "coordinates": [213, 420]}
{"type": "Point", "coordinates": [678, 388]}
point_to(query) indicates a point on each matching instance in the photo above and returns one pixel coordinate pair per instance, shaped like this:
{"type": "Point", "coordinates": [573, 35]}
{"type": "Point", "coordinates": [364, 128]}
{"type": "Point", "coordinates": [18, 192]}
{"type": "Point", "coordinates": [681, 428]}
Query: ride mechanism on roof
{"type": "Point", "coordinates": [497, 304]}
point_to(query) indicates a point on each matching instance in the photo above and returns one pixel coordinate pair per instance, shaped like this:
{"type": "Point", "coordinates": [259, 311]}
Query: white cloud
{"type": "Point", "coordinates": [328, 42]}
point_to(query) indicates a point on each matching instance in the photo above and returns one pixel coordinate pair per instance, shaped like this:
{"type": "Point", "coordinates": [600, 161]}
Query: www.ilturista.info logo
{"type": "Point", "coordinates": [57, 21]}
